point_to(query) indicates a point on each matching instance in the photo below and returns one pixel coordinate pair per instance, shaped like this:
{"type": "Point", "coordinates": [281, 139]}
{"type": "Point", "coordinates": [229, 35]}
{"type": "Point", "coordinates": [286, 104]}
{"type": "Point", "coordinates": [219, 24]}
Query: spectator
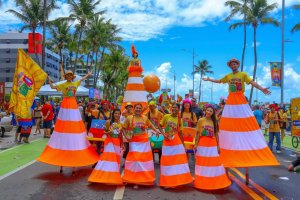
{"type": "Point", "coordinates": [48, 115]}
{"type": "Point", "coordinates": [258, 115]}
{"type": "Point", "coordinates": [274, 128]}
{"type": "Point", "coordinates": [196, 109]}
{"type": "Point", "coordinates": [295, 166]}
{"type": "Point", "coordinates": [37, 114]}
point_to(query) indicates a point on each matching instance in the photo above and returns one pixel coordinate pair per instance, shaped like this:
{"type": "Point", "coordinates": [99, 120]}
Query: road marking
{"type": "Point", "coordinates": [245, 188]}
{"type": "Point", "coordinates": [258, 187]}
{"type": "Point", "coordinates": [16, 170]}
{"type": "Point", "coordinates": [17, 146]}
{"type": "Point", "coordinates": [119, 191]}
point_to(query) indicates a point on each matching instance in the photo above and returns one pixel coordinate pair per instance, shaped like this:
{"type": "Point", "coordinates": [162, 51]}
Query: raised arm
{"type": "Point", "coordinates": [211, 80]}
{"type": "Point", "coordinates": [86, 76]}
{"type": "Point", "coordinates": [51, 83]}
{"type": "Point", "coordinates": [266, 91]}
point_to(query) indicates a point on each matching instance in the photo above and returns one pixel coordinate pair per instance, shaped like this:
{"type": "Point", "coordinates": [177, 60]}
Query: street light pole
{"type": "Point", "coordinates": [282, 53]}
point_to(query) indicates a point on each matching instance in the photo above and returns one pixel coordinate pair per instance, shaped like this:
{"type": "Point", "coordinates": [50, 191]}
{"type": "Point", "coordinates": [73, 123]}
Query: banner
{"type": "Point", "coordinates": [2, 92]}
{"type": "Point", "coordinates": [91, 93]}
{"type": "Point", "coordinates": [28, 79]}
{"type": "Point", "coordinates": [275, 73]}
{"type": "Point", "coordinates": [94, 93]}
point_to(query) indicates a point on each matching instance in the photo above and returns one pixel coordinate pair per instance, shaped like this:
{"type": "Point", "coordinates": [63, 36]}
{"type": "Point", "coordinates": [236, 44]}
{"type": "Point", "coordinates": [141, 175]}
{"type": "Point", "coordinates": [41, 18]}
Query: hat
{"type": "Point", "coordinates": [104, 102]}
{"type": "Point", "coordinates": [186, 101]}
{"type": "Point", "coordinates": [233, 60]}
{"type": "Point", "coordinates": [272, 106]}
{"type": "Point", "coordinates": [69, 72]}
{"type": "Point", "coordinates": [152, 103]}
{"type": "Point", "coordinates": [128, 104]}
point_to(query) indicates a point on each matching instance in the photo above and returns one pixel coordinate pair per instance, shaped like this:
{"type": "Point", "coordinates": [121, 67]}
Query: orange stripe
{"type": "Point", "coordinates": [138, 87]}
{"type": "Point", "coordinates": [239, 124]}
{"type": "Point", "coordinates": [205, 141]}
{"type": "Point", "coordinates": [208, 161]}
{"type": "Point", "coordinates": [173, 160]}
{"type": "Point", "coordinates": [69, 158]}
{"type": "Point", "coordinates": [236, 98]}
{"type": "Point", "coordinates": [69, 127]}
{"type": "Point", "coordinates": [212, 183]}
{"type": "Point", "coordinates": [253, 158]}
{"type": "Point", "coordinates": [140, 178]}
{"type": "Point", "coordinates": [140, 138]}
{"type": "Point", "coordinates": [98, 176]}
{"type": "Point", "coordinates": [175, 141]}
{"type": "Point", "coordinates": [258, 187]}
{"type": "Point", "coordinates": [245, 188]}
{"type": "Point", "coordinates": [109, 156]}
{"type": "Point", "coordinates": [175, 180]}
{"type": "Point", "coordinates": [143, 157]}
{"type": "Point", "coordinates": [135, 74]}
{"type": "Point", "coordinates": [69, 102]}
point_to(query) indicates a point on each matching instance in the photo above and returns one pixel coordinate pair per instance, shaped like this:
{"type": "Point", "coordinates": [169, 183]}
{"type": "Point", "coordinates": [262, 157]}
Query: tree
{"type": "Point", "coordinates": [32, 15]}
{"type": "Point", "coordinates": [258, 13]}
{"type": "Point", "coordinates": [202, 68]}
{"type": "Point", "coordinates": [239, 7]}
{"type": "Point", "coordinates": [82, 11]}
{"type": "Point", "coordinates": [297, 26]}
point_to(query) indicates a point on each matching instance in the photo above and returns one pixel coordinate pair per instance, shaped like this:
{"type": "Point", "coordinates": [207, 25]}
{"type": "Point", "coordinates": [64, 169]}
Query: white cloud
{"type": "Point", "coordinates": [257, 44]}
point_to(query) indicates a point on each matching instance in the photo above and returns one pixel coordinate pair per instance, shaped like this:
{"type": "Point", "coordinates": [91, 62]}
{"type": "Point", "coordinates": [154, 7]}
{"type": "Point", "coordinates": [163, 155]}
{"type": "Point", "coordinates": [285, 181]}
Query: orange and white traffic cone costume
{"type": "Point", "coordinates": [209, 171]}
{"type": "Point", "coordinates": [241, 141]}
{"type": "Point", "coordinates": [107, 170]}
{"type": "Point", "coordinates": [135, 89]}
{"type": "Point", "coordinates": [174, 167]}
{"type": "Point", "coordinates": [68, 145]}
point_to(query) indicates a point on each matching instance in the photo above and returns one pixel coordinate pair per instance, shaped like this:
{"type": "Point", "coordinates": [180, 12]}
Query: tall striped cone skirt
{"type": "Point", "coordinates": [68, 145]}
{"type": "Point", "coordinates": [174, 167]}
{"type": "Point", "coordinates": [135, 90]}
{"type": "Point", "coordinates": [209, 172]}
{"type": "Point", "coordinates": [139, 166]}
{"type": "Point", "coordinates": [241, 141]}
{"type": "Point", "coordinates": [107, 170]}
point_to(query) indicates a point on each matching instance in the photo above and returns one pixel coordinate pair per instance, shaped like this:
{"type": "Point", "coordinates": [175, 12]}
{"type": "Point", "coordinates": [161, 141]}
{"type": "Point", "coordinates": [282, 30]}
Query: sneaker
{"type": "Point", "coordinates": [278, 151]}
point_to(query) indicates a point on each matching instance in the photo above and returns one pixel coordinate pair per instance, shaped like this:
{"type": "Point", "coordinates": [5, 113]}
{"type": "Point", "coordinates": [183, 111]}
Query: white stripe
{"type": "Point", "coordinates": [135, 80]}
{"type": "Point", "coordinates": [110, 147]}
{"type": "Point", "coordinates": [135, 96]}
{"type": "Point", "coordinates": [209, 171]}
{"type": "Point", "coordinates": [136, 166]}
{"type": "Point", "coordinates": [251, 140]}
{"type": "Point", "coordinates": [207, 151]}
{"type": "Point", "coordinates": [68, 141]}
{"type": "Point", "coordinates": [237, 111]}
{"type": "Point", "coordinates": [173, 150]}
{"type": "Point", "coordinates": [69, 115]}
{"type": "Point", "coordinates": [174, 169]}
{"type": "Point", "coordinates": [141, 147]}
{"type": "Point", "coordinates": [16, 170]}
{"type": "Point", "coordinates": [107, 166]}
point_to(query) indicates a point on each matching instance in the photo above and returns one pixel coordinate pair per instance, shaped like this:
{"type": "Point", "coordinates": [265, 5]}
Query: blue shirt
{"type": "Point", "coordinates": [258, 115]}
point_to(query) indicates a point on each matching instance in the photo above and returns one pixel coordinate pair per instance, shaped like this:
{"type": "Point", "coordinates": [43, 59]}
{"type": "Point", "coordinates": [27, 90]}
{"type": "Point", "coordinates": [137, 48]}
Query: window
{"type": "Point", "coordinates": [7, 79]}
{"type": "Point", "coordinates": [7, 50]}
{"type": "Point", "coordinates": [7, 41]}
{"type": "Point", "coordinates": [7, 60]}
{"type": "Point", "coordinates": [7, 70]}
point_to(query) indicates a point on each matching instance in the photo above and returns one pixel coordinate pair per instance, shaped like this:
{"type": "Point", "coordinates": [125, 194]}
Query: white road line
{"type": "Point", "coordinates": [119, 191]}
{"type": "Point", "coordinates": [16, 170]}
{"type": "Point", "coordinates": [20, 145]}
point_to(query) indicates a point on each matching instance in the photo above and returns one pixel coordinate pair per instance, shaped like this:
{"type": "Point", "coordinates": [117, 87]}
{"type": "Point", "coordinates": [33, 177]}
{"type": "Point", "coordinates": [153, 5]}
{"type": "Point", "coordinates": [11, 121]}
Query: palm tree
{"type": "Point", "coordinates": [258, 13]}
{"type": "Point", "coordinates": [60, 32]}
{"type": "Point", "coordinates": [82, 11]}
{"type": "Point", "coordinates": [202, 68]}
{"type": "Point", "coordinates": [297, 26]}
{"type": "Point", "coordinates": [32, 15]}
{"type": "Point", "coordinates": [238, 7]}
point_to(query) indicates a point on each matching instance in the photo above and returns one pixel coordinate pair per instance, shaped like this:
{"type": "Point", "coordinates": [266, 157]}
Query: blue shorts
{"type": "Point", "coordinates": [47, 124]}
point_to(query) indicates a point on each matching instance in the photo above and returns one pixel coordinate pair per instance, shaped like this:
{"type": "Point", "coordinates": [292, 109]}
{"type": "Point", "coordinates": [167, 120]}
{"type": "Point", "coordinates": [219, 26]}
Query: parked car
{"type": "Point", "coordinates": [5, 123]}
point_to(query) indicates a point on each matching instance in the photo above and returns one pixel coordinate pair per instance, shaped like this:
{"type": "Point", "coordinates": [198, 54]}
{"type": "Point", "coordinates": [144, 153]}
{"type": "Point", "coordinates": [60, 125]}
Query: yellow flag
{"type": "Point", "coordinates": [28, 79]}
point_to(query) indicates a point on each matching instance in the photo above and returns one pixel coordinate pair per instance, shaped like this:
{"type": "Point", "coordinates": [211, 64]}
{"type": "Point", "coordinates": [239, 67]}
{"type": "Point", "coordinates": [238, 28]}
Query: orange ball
{"type": "Point", "coordinates": [151, 83]}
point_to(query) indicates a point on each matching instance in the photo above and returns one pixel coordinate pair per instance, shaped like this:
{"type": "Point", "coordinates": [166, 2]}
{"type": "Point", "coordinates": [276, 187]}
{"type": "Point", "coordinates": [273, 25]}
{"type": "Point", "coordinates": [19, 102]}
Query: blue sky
{"type": "Point", "coordinates": [161, 29]}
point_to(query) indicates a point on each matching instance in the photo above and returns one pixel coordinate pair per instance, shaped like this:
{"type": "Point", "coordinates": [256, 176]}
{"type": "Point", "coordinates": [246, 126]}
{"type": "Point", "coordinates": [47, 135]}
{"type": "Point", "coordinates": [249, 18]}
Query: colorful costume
{"type": "Point", "coordinates": [209, 172]}
{"type": "Point", "coordinates": [174, 167]}
{"type": "Point", "coordinates": [135, 90]}
{"type": "Point", "coordinates": [241, 141]}
{"type": "Point", "coordinates": [68, 145]}
{"type": "Point", "coordinates": [139, 166]}
{"type": "Point", "coordinates": [107, 169]}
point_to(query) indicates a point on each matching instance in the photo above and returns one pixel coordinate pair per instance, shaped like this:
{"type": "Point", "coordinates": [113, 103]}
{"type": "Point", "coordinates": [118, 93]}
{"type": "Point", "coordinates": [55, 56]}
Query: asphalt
{"type": "Point", "coordinates": [39, 181]}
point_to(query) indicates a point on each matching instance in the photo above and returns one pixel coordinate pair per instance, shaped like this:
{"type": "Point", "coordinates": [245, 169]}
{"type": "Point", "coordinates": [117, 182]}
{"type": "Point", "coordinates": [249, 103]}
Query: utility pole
{"type": "Point", "coordinates": [193, 71]}
{"type": "Point", "coordinates": [282, 54]}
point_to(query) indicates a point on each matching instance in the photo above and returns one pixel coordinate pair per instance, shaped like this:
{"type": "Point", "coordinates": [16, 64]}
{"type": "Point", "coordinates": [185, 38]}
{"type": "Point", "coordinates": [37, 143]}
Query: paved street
{"type": "Point", "coordinates": [39, 181]}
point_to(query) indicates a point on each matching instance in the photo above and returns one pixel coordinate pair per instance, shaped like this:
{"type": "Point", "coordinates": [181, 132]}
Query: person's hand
{"type": "Point", "coordinates": [266, 91]}
{"type": "Point", "coordinates": [195, 148]}
{"type": "Point", "coordinates": [50, 80]}
{"type": "Point", "coordinates": [218, 148]}
{"type": "Point", "coordinates": [89, 73]}
{"type": "Point", "coordinates": [206, 79]}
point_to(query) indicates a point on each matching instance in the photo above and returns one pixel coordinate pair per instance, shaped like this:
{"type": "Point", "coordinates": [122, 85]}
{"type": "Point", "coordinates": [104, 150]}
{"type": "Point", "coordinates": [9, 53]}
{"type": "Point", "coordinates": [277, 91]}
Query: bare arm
{"type": "Point", "coordinates": [51, 83]}
{"type": "Point", "coordinates": [86, 76]}
{"type": "Point", "coordinates": [266, 91]}
{"type": "Point", "coordinates": [211, 80]}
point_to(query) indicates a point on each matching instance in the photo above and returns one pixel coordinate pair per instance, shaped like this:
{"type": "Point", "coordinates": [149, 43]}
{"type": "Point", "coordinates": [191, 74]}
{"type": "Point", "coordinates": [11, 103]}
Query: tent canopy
{"type": "Point", "coordinates": [46, 89]}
